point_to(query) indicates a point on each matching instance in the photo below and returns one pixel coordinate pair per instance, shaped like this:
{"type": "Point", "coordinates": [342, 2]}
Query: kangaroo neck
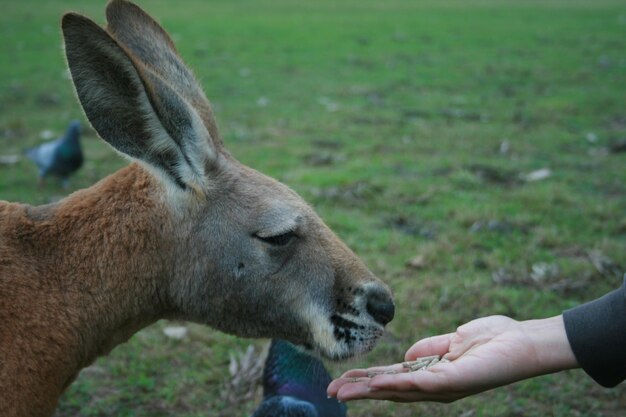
{"type": "Point", "coordinates": [98, 280]}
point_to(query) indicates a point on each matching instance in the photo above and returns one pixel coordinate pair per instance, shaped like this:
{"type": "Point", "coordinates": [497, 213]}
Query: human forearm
{"type": "Point", "coordinates": [550, 344]}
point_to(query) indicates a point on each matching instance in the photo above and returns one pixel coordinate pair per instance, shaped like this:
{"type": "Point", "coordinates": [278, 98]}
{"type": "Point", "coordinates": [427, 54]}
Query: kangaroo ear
{"type": "Point", "coordinates": [136, 31]}
{"type": "Point", "coordinates": [133, 108]}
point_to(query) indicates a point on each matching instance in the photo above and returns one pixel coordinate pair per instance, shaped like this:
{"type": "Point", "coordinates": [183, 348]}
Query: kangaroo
{"type": "Point", "coordinates": [184, 232]}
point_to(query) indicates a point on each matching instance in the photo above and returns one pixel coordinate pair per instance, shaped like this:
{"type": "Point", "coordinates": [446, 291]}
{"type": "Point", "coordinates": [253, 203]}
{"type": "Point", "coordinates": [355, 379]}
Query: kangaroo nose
{"type": "Point", "coordinates": [380, 305]}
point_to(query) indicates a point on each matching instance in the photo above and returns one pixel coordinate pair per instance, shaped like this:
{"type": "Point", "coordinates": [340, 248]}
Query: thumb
{"type": "Point", "coordinates": [436, 345]}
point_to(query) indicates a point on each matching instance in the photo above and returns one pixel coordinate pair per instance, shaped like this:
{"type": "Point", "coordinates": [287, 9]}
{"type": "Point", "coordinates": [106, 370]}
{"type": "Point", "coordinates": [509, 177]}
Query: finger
{"type": "Point", "coordinates": [436, 345]}
{"type": "Point", "coordinates": [336, 384]}
{"type": "Point", "coordinates": [397, 382]}
{"type": "Point", "coordinates": [438, 378]}
{"type": "Point", "coordinates": [346, 390]}
{"type": "Point", "coordinates": [357, 386]}
{"type": "Point", "coordinates": [435, 384]}
{"type": "Point", "coordinates": [354, 373]}
{"type": "Point", "coordinates": [413, 396]}
{"type": "Point", "coordinates": [387, 369]}
{"type": "Point", "coordinates": [395, 368]}
{"type": "Point", "coordinates": [351, 392]}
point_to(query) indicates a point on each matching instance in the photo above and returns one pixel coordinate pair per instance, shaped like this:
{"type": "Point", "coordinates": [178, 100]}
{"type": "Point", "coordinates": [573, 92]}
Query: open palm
{"type": "Point", "coordinates": [484, 354]}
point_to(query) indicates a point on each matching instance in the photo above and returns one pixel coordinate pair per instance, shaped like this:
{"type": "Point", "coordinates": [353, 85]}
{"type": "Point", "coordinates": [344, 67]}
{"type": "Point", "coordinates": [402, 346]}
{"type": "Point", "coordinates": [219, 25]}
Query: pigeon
{"type": "Point", "coordinates": [294, 385]}
{"type": "Point", "coordinates": [61, 157]}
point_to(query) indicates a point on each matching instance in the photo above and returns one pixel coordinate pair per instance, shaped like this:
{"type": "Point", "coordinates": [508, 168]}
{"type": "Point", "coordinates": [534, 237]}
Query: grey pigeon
{"type": "Point", "coordinates": [61, 157]}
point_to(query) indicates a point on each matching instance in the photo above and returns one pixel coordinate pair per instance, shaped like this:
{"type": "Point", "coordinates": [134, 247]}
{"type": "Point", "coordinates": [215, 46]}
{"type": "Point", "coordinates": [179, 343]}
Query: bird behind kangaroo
{"type": "Point", "coordinates": [61, 157]}
{"type": "Point", "coordinates": [184, 232]}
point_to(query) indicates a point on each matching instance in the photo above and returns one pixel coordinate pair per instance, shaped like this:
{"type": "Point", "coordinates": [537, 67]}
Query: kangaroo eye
{"type": "Point", "coordinates": [278, 240]}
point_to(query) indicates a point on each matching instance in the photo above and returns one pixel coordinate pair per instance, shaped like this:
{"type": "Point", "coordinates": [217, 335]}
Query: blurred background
{"type": "Point", "coordinates": [473, 153]}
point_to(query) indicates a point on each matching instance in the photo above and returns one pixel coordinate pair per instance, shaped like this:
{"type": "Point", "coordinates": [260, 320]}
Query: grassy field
{"type": "Point", "coordinates": [411, 127]}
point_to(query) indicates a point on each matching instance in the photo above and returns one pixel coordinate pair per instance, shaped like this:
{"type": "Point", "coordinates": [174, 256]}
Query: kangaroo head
{"type": "Point", "coordinates": [249, 256]}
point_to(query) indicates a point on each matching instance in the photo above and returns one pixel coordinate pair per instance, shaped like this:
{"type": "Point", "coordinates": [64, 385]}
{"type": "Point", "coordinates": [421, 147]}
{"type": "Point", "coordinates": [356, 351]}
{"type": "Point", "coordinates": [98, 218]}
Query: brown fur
{"type": "Point", "coordinates": [64, 304]}
{"type": "Point", "coordinates": [185, 232]}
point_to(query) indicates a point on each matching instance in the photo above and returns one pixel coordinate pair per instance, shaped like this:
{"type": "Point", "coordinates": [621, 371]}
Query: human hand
{"type": "Point", "coordinates": [485, 353]}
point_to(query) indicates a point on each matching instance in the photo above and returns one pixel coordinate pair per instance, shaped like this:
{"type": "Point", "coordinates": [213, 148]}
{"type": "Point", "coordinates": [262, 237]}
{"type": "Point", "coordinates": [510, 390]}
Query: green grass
{"type": "Point", "coordinates": [387, 117]}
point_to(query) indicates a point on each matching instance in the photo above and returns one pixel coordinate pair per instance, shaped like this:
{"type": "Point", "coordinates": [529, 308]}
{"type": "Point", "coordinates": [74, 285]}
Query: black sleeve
{"type": "Point", "coordinates": [597, 334]}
